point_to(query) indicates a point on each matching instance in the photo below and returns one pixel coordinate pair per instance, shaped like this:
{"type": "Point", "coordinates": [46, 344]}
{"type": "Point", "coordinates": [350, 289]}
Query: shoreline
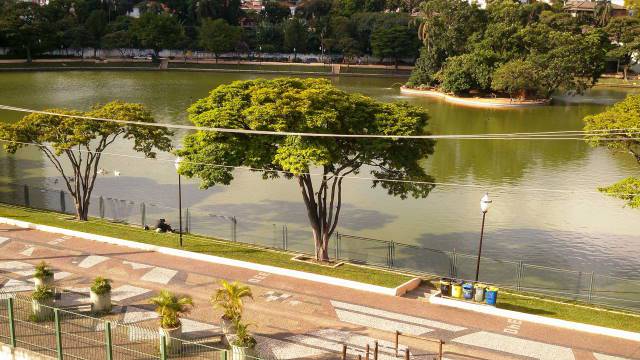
{"type": "Point", "coordinates": [311, 69]}
{"type": "Point", "coordinates": [486, 103]}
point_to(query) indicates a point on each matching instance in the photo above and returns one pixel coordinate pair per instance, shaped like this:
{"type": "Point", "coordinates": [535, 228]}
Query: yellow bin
{"type": "Point", "coordinates": [456, 290]}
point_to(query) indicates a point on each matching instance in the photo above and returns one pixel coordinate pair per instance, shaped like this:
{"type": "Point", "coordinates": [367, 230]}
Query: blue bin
{"type": "Point", "coordinates": [491, 296]}
{"type": "Point", "coordinates": [467, 291]}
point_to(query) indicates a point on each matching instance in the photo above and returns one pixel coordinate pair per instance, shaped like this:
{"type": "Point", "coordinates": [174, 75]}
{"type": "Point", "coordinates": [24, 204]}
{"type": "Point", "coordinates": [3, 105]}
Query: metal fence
{"type": "Point", "coordinates": [65, 334]}
{"type": "Point", "coordinates": [575, 285]}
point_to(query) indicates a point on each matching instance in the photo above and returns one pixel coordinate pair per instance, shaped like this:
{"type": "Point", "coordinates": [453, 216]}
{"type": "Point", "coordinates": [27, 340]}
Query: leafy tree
{"type": "Point", "coordinates": [120, 40]}
{"type": "Point", "coordinates": [571, 62]}
{"type": "Point", "coordinates": [634, 6]}
{"type": "Point", "coordinates": [444, 28]}
{"type": "Point", "coordinates": [269, 37]}
{"type": "Point", "coordinates": [516, 77]}
{"type": "Point", "coordinates": [347, 7]}
{"type": "Point", "coordinates": [25, 28]}
{"type": "Point", "coordinates": [374, 5]}
{"type": "Point", "coordinates": [313, 9]}
{"type": "Point", "coordinates": [96, 26]}
{"type": "Point", "coordinates": [467, 72]}
{"type": "Point", "coordinates": [275, 11]}
{"type": "Point", "coordinates": [619, 121]}
{"type": "Point", "coordinates": [624, 33]}
{"type": "Point", "coordinates": [307, 105]}
{"type": "Point", "coordinates": [59, 137]}
{"type": "Point", "coordinates": [394, 42]}
{"type": "Point", "coordinates": [295, 35]}
{"type": "Point", "coordinates": [627, 189]}
{"type": "Point", "coordinates": [217, 36]}
{"type": "Point", "coordinates": [157, 31]}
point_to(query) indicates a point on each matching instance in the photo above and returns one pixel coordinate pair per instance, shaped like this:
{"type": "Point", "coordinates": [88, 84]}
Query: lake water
{"type": "Point", "coordinates": [580, 230]}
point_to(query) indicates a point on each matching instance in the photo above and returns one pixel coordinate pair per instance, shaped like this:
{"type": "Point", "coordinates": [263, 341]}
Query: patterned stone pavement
{"type": "Point", "coordinates": [292, 318]}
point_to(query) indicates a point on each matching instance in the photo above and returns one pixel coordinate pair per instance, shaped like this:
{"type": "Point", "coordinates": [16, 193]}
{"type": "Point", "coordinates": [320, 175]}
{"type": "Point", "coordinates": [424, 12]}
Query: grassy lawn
{"type": "Point", "coordinates": [570, 311]}
{"type": "Point", "coordinates": [202, 245]}
{"type": "Point", "coordinates": [559, 309]}
{"type": "Point", "coordinates": [618, 82]}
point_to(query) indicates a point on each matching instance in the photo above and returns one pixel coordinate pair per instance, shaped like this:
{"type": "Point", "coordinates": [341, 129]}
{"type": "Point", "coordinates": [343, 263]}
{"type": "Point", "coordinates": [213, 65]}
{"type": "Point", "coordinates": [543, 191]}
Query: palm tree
{"type": "Point", "coordinates": [229, 298]}
{"type": "Point", "coordinates": [602, 12]}
{"type": "Point", "coordinates": [170, 306]}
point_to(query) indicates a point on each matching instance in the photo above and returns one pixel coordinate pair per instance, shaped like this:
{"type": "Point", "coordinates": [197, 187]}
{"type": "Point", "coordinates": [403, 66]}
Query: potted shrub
{"type": "Point", "coordinates": [42, 303]}
{"type": "Point", "coordinates": [170, 307]}
{"type": "Point", "coordinates": [243, 344]}
{"type": "Point", "coordinates": [43, 275]}
{"type": "Point", "coordinates": [229, 298]}
{"type": "Point", "coordinates": [100, 295]}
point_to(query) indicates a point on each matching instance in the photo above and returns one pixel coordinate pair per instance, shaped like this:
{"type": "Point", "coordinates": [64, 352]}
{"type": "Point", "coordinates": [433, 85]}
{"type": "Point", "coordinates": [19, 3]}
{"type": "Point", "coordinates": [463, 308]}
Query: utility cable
{"type": "Point", "coordinates": [550, 135]}
{"type": "Point", "coordinates": [350, 177]}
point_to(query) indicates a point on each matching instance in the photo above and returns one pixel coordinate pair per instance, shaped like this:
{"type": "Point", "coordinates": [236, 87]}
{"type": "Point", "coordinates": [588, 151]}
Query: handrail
{"type": "Point", "coordinates": [438, 341]}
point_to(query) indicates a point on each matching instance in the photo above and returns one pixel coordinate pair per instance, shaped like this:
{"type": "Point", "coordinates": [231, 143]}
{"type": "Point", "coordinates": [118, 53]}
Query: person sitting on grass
{"type": "Point", "coordinates": [163, 227]}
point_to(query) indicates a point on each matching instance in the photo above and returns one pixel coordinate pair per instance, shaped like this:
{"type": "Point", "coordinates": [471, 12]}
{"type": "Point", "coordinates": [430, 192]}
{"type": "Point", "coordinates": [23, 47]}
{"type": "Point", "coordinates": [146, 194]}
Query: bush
{"type": "Point", "coordinates": [42, 293]}
{"type": "Point", "coordinates": [516, 77]}
{"type": "Point", "coordinates": [101, 285]}
{"type": "Point", "coordinates": [468, 72]}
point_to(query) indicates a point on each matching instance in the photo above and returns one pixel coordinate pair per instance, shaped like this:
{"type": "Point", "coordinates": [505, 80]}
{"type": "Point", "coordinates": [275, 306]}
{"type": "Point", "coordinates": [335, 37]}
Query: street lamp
{"type": "Point", "coordinates": [485, 202]}
{"type": "Point", "coordinates": [177, 165]}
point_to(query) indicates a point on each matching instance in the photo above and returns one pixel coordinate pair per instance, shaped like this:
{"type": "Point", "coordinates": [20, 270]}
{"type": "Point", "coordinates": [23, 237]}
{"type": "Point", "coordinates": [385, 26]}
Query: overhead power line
{"type": "Point", "coordinates": [548, 135]}
{"type": "Point", "coordinates": [350, 177]}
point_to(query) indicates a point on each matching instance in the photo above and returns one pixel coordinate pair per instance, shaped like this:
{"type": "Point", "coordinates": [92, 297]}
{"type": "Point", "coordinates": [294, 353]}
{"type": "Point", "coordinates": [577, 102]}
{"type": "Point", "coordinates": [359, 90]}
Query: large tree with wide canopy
{"type": "Point", "coordinates": [319, 164]}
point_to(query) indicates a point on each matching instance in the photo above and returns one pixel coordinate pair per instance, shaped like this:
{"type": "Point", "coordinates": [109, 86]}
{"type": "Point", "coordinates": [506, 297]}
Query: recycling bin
{"type": "Point", "coordinates": [456, 290]}
{"type": "Point", "coordinates": [445, 287]}
{"type": "Point", "coordinates": [467, 291]}
{"type": "Point", "coordinates": [491, 296]}
{"type": "Point", "coordinates": [479, 294]}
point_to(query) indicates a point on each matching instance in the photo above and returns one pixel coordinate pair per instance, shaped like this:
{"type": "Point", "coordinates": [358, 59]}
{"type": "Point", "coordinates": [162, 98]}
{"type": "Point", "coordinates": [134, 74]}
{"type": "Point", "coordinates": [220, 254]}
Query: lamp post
{"type": "Point", "coordinates": [485, 202]}
{"type": "Point", "coordinates": [177, 165]}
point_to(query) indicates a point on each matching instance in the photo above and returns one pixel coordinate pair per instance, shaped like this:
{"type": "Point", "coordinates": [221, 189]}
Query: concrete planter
{"type": "Point", "coordinates": [42, 309]}
{"type": "Point", "coordinates": [241, 353]}
{"type": "Point", "coordinates": [45, 281]}
{"type": "Point", "coordinates": [100, 303]}
{"type": "Point", "coordinates": [172, 337]}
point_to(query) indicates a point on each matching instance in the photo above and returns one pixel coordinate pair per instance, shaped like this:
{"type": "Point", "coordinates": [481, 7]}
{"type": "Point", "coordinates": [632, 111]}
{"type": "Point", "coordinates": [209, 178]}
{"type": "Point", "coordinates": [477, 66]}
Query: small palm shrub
{"type": "Point", "coordinates": [43, 271]}
{"type": "Point", "coordinates": [229, 297]}
{"type": "Point", "coordinates": [243, 337]}
{"type": "Point", "coordinates": [101, 285]}
{"type": "Point", "coordinates": [170, 306]}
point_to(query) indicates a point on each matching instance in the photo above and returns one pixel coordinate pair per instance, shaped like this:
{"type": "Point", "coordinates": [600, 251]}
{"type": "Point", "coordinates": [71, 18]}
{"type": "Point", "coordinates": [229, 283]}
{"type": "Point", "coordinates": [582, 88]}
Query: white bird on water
{"type": "Point", "coordinates": [116, 173]}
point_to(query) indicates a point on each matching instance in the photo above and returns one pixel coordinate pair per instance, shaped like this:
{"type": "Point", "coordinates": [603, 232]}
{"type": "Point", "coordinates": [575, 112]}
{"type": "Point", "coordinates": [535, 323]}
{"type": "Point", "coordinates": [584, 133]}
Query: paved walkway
{"type": "Point", "coordinates": [293, 318]}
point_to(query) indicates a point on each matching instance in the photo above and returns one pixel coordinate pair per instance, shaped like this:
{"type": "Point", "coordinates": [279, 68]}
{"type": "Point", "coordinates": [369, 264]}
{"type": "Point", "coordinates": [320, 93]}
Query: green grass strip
{"type": "Point", "coordinates": [568, 310]}
{"type": "Point", "coordinates": [203, 245]}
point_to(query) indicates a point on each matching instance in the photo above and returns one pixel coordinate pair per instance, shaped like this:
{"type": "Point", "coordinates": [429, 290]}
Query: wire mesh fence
{"type": "Point", "coordinates": [570, 284]}
{"type": "Point", "coordinates": [63, 334]}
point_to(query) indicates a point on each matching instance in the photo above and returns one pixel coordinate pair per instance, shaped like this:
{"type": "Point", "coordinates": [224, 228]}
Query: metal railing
{"type": "Point", "coordinates": [588, 287]}
{"type": "Point", "coordinates": [66, 334]}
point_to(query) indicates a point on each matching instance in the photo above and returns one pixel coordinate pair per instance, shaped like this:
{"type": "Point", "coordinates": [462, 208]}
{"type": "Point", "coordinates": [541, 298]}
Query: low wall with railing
{"type": "Point", "coordinates": [588, 287]}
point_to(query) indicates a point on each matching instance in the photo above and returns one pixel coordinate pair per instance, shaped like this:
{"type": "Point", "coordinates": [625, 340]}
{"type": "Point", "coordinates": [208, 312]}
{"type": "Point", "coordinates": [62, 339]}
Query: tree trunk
{"type": "Point", "coordinates": [323, 208]}
{"type": "Point", "coordinates": [29, 54]}
{"type": "Point", "coordinates": [625, 70]}
{"type": "Point", "coordinates": [82, 209]}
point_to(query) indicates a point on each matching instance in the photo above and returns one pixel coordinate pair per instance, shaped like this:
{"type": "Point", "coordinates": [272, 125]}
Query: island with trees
{"type": "Point", "coordinates": [513, 54]}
